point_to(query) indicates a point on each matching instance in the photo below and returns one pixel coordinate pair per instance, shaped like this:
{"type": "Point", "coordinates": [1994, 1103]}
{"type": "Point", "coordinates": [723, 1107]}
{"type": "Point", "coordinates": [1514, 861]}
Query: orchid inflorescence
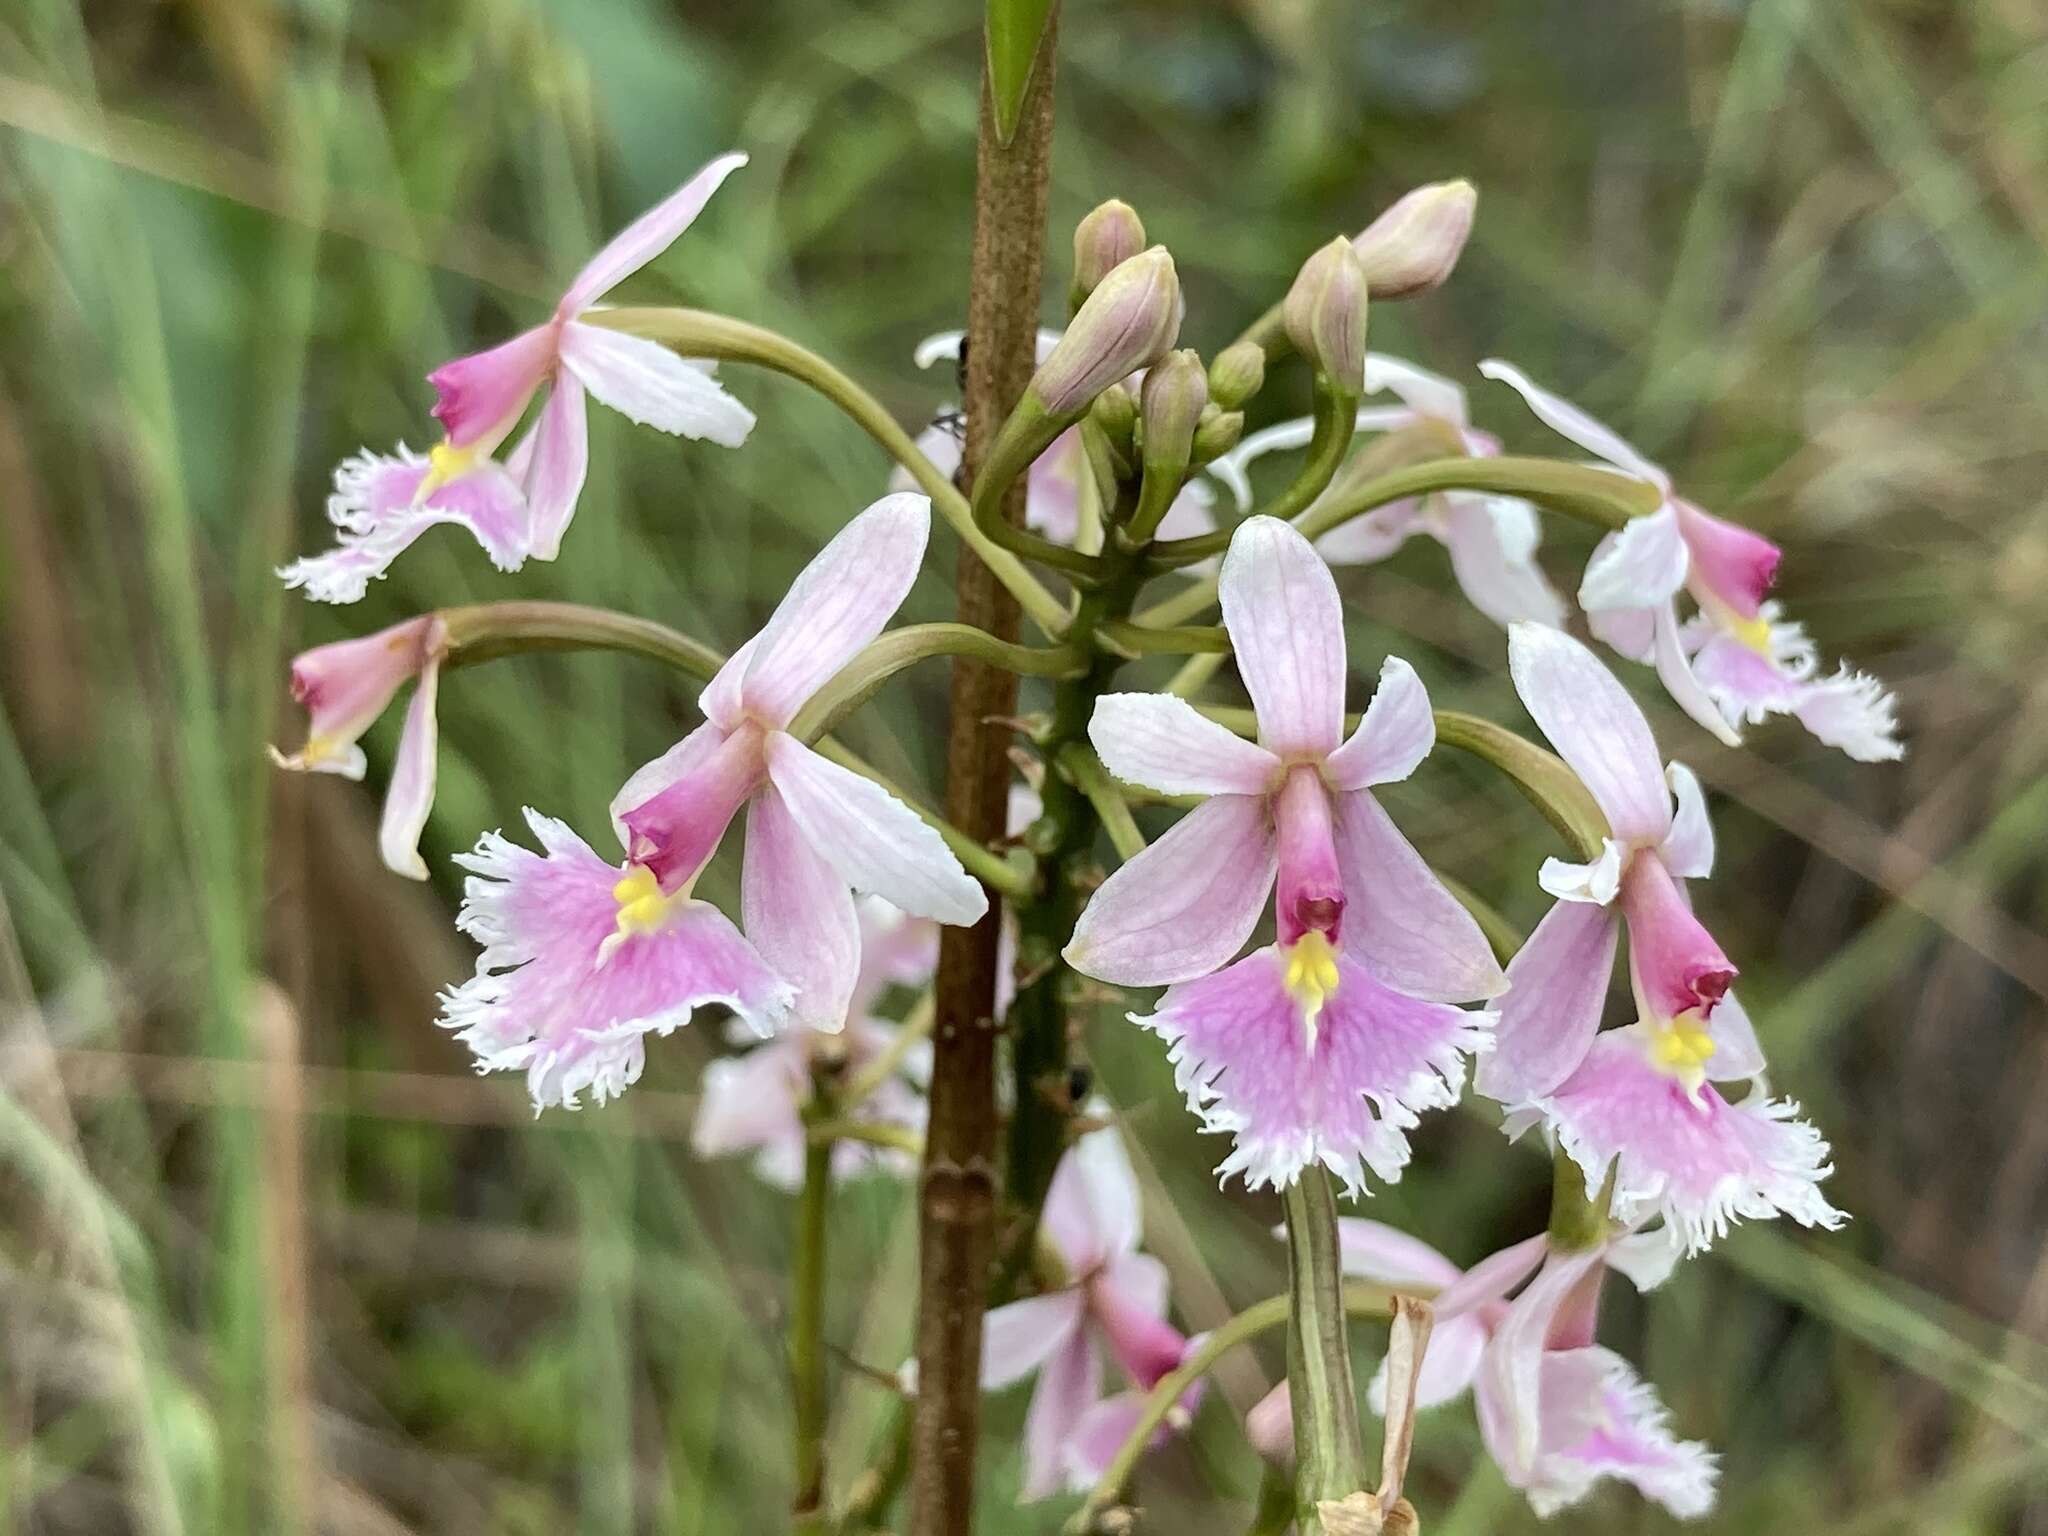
{"type": "Point", "coordinates": [1311, 1048]}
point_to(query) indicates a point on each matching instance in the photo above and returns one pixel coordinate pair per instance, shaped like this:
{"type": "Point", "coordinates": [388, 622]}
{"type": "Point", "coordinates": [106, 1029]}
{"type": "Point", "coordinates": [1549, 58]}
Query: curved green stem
{"type": "Point", "coordinates": [1336, 423]}
{"type": "Point", "coordinates": [1093, 780]}
{"type": "Point", "coordinates": [1594, 495]}
{"type": "Point", "coordinates": [1541, 776]}
{"type": "Point", "coordinates": [487, 631]}
{"type": "Point", "coordinates": [1027, 434]}
{"type": "Point", "coordinates": [1129, 639]}
{"type": "Point", "coordinates": [1360, 1300]}
{"type": "Point", "coordinates": [915, 1027]}
{"type": "Point", "coordinates": [895, 649]}
{"type": "Point", "coordinates": [699, 333]}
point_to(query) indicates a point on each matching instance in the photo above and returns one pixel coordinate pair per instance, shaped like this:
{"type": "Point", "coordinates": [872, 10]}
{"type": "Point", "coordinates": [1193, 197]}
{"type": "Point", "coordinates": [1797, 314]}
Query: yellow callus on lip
{"type": "Point", "coordinates": [1311, 978]}
{"type": "Point", "coordinates": [445, 462]}
{"type": "Point", "coordinates": [1682, 1048]}
{"type": "Point", "coordinates": [643, 909]}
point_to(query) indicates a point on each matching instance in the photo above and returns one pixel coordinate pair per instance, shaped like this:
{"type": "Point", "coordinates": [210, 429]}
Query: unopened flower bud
{"type": "Point", "coordinates": [1216, 433]}
{"type": "Point", "coordinates": [1116, 412]}
{"type": "Point", "coordinates": [1325, 315]}
{"type": "Point", "coordinates": [1126, 324]}
{"type": "Point", "coordinates": [1108, 237]}
{"type": "Point", "coordinates": [1236, 374]}
{"type": "Point", "coordinates": [1270, 1427]}
{"type": "Point", "coordinates": [1413, 246]}
{"type": "Point", "coordinates": [1176, 391]}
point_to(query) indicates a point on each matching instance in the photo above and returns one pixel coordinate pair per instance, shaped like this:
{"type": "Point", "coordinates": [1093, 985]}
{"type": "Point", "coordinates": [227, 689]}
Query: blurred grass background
{"type": "Point", "coordinates": [271, 1261]}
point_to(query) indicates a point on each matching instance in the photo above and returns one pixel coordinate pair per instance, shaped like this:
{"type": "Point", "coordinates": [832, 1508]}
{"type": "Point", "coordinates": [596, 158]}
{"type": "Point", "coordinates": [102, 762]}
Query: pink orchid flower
{"type": "Point", "coordinates": [1492, 540]}
{"type": "Point", "coordinates": [1323, 1046]}
{"type": "Point", "coordinates": [1736, 661]}
{"type": "Point", "coordinates": [1642, 1095]}
{"type": "Point", "coordinates": [816, 832]}
{"type": "Point", "coordinates": [1559, 1414]}
{"type": "Point", "coordinates": [1054, 486]}
{"type": "Point", "coordinates": [1115, 1300]}
{"type": "Point", "coordinates": [585, 958]}
{"type": "Point", "coordinates": [755, 1102]}
{"type": "Point", "coordinates": [520, 508]}
{"type": "Point", "coordinates": [344, 687]}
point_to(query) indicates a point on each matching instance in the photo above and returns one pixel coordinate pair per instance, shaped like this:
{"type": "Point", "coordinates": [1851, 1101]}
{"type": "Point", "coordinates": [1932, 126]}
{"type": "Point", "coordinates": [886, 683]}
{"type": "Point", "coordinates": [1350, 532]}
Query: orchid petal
{"type": "Point", "coordinates": [555, 472]}
{"type": "Point", "coordinates": [1557, 987]}
{"type": "Point", "coordinates": [410, 799]}
{"type": "Point", "coordinates": [1428, 394]}
{"type": "Point", "coordinates": [1595, 727]}
{"type": "Point", "coordinates": [753, 1103]}
{"type": "Point", "coordinates": [1688, 849]}
{"type": "Point", "coordinates": [646, 237]}
{"type": "Point", "coordinates": [374, 508]}
{"type": "Point", "coordinates": [651, 778]}
{"type": "Point", "coordinates": [1162, 743]}
{"type": "Point", "coordinates": [1596, 884]}
{"type": "Point", "coordinates": [1630, 631]}
{"type": "Point", "coordinates": [1372, 1250]}
{"type": "Point", "coordinates": [1395, 734]}
{"type": "Point", "coordinates": [1639, 566]}
{"type": "Point", "coordinates": [1343, 1095]}
{"type": "Point", "coordinates": [1279, 438]}
{"type": "Point", "coordinates": [1069, 1384]}
{"type": "Point", "coordinates": [1674, 670]}
{"type": "Point", "coordinates": [1286, 624]}
{"type": "Point", "coordinates": [1599, 1420]}
{"type": "Point", "coordinates": [1646, 1259]}
{"type": "Point", "coordinates": [1569, 422]}
{"type": "Point", "coordinates": [875, 841]}
{"type": "Point", "coordinates": [1493, 555]}
{"type": "Point", "coordinates": [836, 605]}
{"type": "Point", "coordinates": [553, 993]}
{"type": "Point", "coordinates": [799, 915]}
{"type": "Point", "coordinates": [1400, 921]}
{"type": "Point", "coordinates": [1187, 903]}
{"type": "Point", "coordinates": [1018, 1338]}
{"type": "Point", "coordinates": [645, 382]}
{"type": "Point", "coordinates": [1479, 1290]}
{"type": "Point", "coordinates": [1511, 1377]}
{"type": "Point", "coordinates": [1091, 1206]}
{"type": "Point", "coordinates": [482, 396]}
{"type": "Point", "coordinates": [1450, 1361]}
{"type": "Point", "coordinates": [1738, 1054]}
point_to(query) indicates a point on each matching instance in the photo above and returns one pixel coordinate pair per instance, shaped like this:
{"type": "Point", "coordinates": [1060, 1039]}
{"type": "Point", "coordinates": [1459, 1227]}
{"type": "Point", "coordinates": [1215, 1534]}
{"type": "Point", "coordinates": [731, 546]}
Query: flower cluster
{"type": "Point", "coordinates": [1314, 1047]}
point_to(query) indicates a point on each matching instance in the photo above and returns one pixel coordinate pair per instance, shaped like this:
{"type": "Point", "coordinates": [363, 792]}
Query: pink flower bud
{"type": "Point", "coordinates": [1325, 315]}
{"type": "Point", "coordinates": [1270, 1427]}
{"type": "Point", "coordinates": [1127, 323]}
{"type": "Point", "coordinates": [1176, 389]}
{"type": "Point", "coordinates": [1109, 236]}
{"type": "Point", "coordinates": [1412, 247]}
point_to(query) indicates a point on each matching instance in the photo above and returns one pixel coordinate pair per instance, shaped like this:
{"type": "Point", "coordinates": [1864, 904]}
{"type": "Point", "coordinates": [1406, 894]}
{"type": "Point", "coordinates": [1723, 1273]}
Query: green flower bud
{"type": "Point", "coordinates": [1126, 324]}
{"type": "Point", "coordinates": [1324, 313]}
{"type": "Point", "coordinates": [1237, 374]}
{"type": "Point", "coordinates": [1108, 237]}
{"type": "Point", "coordinates": [1412, 247]}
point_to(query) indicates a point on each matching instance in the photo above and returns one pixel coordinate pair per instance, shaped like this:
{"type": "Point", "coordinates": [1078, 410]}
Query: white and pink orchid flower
{"type": "Point", "coordinates": [585, 957]}
{"type": "Point", "coordinates": [816, 832]}
{"type": "Point", "coordinates": [1057, 478]}
{"type": "Point", "coordinates": [1559, 1414]}
{"type": "Point", "coordinates": [1492, 540]}
{"type": "Point", "coordinates": [755, 1102]}
{"type": "Point", "coordinates": [1737, 661]}
{"type": "Point", "coordinates": [520, 508]}
{"type": "Point", "coordinates": [1114, 1302]}
{"type": "Point", "coordinates": [1324, 1046]}
{"type": "Point", "coordinates": [1639, 1099]}
{"type": "Point", "coordinates": [344, 687]}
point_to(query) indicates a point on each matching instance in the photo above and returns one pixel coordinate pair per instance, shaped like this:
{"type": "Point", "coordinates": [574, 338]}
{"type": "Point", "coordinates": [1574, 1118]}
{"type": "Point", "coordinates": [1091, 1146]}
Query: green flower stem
{"type": "Point", "coordinates": [487, 631]}
{"type": "Point", "coordinates": [1093, 780]}
{"type": "Point", "coordinates": [1358, 1300]}
{"type": "Point", "coordinates": [1336, 423]}
{"type": "Point", "coordinates": [1132, 640]}
{"type": "Point", "coordinates": [810, 1408]}
{"type": "Point", "coordinates": [895, 649]}
{"type": "Point", "coordinates": [1329, 1447]}
{"type": "Point", "coordinates": [1540, 775]}
{"type": "Point", "coordinates": [1025, 435]}
{"type": "Point", "coordinates": [1606, 500]}
{"type": "Point", "coordinates": [873, 1133]}
{"type": "Point", "coordinates": [916, 1026]}
{"type": "Point", "coordinates": [1578, 1221]}
{"type": "Point", "coordinates": [698, 333]}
